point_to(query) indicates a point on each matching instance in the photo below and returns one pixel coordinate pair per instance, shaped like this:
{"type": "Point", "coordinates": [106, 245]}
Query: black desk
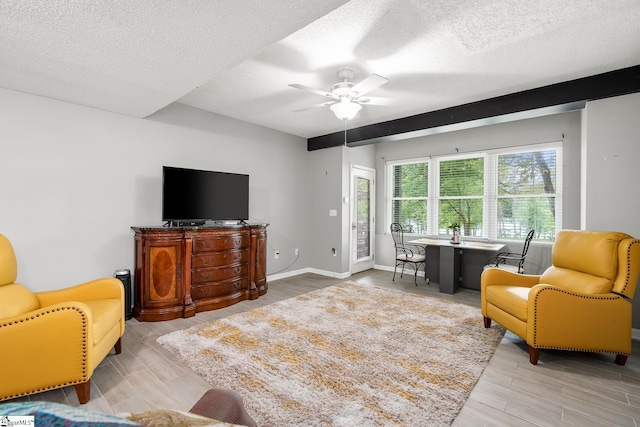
{"type": "Point", "coordinates": [451, 259]}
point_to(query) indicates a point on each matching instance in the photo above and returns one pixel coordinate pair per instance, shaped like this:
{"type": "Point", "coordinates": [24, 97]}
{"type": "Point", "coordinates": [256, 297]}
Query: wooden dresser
{"type": "Point", "coordinates": [183, 270]}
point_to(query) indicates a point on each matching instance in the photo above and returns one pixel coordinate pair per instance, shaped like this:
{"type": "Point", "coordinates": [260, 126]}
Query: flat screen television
{"type": "Point", "coordinates": [192, 196]}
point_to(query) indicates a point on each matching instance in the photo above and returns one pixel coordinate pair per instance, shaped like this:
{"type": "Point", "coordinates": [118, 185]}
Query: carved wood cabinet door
{"type": "Point", "coordinates": [159, 274]}
{"type": "Point", "coordinates": [164, 262]}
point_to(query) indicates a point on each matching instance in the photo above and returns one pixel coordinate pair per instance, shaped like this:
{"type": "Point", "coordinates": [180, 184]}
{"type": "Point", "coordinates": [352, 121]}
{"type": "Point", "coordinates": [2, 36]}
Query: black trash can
{"type": "Point", "coordinates": [125, 277]}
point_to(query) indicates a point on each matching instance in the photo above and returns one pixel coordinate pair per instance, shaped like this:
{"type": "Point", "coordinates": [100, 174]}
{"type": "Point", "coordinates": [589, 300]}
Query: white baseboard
{"type": "Point", "coordinates": [387, 268]}
{"type": "Point", "coordinates": [308, 270]}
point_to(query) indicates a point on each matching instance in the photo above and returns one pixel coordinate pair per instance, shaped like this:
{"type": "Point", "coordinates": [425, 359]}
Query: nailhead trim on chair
{"type": "Point", "coordinates": [628, 275]}
{"type": "Point", "coordinates": [535, 328]}
{"type": "Point", "coordinates": [84, 352]}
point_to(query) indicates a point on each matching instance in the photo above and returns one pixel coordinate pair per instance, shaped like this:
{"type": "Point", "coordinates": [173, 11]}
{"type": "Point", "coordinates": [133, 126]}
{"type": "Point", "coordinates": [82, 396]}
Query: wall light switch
{"type": "Point", "coordinates": [333, 212]}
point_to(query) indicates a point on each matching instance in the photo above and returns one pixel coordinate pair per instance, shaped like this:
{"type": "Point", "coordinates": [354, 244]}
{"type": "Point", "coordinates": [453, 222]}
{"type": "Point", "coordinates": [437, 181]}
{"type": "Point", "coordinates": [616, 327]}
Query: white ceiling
{"type": "Point", "coordinates": [237, 58]}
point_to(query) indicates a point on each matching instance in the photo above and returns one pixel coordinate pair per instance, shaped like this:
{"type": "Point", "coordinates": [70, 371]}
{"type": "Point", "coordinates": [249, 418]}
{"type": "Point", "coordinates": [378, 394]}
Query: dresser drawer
{"type": "Point", "coordinates": [220, 243]}
{"type": "Point", "coordinates": [216, 259]}
{"type": "Point", "coordinates": [215, 290]}
{"type": "Point", "coordinates": [219, 273]}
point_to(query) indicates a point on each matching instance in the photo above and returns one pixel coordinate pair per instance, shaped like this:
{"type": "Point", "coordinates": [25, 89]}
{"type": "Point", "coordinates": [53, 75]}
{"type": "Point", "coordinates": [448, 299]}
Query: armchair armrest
{"type": "Point", "coordinates": [106, 288]}
{"type": "Point", "coordinates": [409, 249]}
{"type": "Point", "coordinates": [494, 276]}
{"type": "Point", "coordinates": [569, 320]}
{"type": "Point", "coordinates": [49, 346]}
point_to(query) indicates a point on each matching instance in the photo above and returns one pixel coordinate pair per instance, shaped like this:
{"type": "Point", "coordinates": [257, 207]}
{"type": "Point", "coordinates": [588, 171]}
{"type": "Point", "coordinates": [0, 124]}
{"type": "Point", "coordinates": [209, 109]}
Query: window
{"type": "Point", "coordinates": [527, 184]}
{"type": "Point", "coordinates": [410, 191]}
{"type": "Point", "coordinates": [500, 194]}
{"type": "Point", "coordinates": [461, 195]}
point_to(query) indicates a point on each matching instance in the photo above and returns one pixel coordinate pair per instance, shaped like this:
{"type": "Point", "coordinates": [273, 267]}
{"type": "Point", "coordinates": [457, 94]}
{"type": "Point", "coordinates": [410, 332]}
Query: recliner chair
{"type": "Point", "coordinates": [56, 338]}
{"type": "Point", "coordinates": [581, 303]}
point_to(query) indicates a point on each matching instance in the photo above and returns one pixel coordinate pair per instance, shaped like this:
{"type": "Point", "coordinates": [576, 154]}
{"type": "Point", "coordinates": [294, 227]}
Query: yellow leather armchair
{"type": "Point", "coordinates": [581, 303]}
{"type": "Point", "coordinates": [57, 338]}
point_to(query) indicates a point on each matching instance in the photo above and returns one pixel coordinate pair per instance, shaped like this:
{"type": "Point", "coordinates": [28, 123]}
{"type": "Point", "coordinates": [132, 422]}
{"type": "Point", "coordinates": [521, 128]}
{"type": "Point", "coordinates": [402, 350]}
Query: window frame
{"type": "Point", "coordinates": [490, 197]}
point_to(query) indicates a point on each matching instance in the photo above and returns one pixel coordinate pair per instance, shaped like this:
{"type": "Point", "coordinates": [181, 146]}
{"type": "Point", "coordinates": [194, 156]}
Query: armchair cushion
{"type": "Point", "coordinates": [105, 313]}
{"type": "Point", "coordinates": [8, 263]}
{"type": "Point", "coordinates": [511, 299]}
{"type": "Point", "coordinates": [15, 300]}
{"type": "Point", "coordinates": [576, 281]}
{"type": "Point", "coordinates": [590, 252]}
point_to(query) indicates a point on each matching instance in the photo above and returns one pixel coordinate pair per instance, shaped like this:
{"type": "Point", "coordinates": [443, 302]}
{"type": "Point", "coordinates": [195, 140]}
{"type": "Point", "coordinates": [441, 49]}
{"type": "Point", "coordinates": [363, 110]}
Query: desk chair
{"type": "Point", "coordinates": [512, 261]}
{"type": "Point", "coordinates": [414, 255]}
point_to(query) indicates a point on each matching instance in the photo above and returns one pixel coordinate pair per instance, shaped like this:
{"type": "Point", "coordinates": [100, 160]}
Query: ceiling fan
{"type": "Point", "coordinates": [347, 97]}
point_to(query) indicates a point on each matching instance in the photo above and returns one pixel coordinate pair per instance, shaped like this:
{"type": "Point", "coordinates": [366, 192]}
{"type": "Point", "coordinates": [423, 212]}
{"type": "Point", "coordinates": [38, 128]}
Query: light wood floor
{"type": "Point", "coordinates": [565, 388]}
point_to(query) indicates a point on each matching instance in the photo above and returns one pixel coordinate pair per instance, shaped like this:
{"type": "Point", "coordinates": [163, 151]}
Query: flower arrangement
{"type": "Point", "coordinates": [456, 232]}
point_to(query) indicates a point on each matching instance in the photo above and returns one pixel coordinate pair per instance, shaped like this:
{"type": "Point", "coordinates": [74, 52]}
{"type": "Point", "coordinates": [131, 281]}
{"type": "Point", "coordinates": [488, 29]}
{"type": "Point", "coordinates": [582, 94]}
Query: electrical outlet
{"type": "Point", "coordinates": [297, 251]}
{"type": "Point", "coordinates": [276, 255]}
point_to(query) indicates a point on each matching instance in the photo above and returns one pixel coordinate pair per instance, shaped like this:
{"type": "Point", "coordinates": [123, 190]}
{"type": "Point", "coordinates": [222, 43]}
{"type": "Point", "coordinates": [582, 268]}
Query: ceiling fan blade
{"type": "Point", "coordinates": [323, 104]}
{"type": "Point", "coordinates": [312, 90]}
{"type": "Point", "coordinates": [370, 83]}
{"type": "Point", "coordinates": [374, 100]}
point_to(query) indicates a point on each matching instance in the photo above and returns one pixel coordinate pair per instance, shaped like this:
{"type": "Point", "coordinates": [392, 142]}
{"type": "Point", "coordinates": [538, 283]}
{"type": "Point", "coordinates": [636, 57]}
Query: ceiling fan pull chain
{"type": "Point", "coordinates": [345, 132]}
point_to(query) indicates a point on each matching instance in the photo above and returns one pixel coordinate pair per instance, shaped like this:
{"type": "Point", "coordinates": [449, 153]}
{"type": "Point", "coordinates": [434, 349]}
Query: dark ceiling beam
{"type": "Point", "coordinates": [559, 97]}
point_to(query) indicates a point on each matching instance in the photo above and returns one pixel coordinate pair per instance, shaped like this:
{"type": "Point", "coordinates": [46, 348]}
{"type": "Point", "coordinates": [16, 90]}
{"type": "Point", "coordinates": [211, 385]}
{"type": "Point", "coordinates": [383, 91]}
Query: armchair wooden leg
{"type": "Point", "coordinates": [534, 355]}
{"type": "Point", "coordinates": [118, 346]}
{"type": "Point", "coordinates": [621, 359]}
{"type": "Point", "coordinates": [83, 390]}
{"type": "Point", "coordinates": [487, 322]}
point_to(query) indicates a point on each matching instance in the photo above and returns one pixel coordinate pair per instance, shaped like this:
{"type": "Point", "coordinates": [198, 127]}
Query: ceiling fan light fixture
{"type": "Point", "coordinates": [345, 109]}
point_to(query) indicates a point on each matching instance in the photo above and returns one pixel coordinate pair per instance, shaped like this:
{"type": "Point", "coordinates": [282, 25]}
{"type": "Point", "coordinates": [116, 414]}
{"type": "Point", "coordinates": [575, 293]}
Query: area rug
{"type": "Point", "coordinates": [346, 355]}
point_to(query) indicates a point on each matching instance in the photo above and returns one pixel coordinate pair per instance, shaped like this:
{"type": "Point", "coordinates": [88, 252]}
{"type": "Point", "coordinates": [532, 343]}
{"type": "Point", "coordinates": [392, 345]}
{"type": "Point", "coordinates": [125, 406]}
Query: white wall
{"type": "Point", "coordinates": [73, 180]}
{"type": "Point", "coordinates": [611, 146]}
{"type": "Point", "coordinates": [612, 158]}
{"type": "Point", "coordinates": [325, 194]}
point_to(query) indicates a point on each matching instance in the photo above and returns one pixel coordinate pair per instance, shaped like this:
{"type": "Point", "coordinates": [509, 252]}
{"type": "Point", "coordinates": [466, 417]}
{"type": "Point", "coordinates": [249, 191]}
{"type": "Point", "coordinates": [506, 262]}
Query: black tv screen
{"type": "Point", "coordinates": [199, 195]}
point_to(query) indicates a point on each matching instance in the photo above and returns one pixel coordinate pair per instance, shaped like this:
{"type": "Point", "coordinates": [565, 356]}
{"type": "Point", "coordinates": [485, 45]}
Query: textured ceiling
{"type": "Point", "coordinates": [238, 58]}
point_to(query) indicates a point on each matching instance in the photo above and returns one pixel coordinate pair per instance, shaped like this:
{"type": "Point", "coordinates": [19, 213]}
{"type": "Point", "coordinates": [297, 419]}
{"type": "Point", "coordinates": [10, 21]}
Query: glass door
{"type": "Point", "coordinates": [362, 219]}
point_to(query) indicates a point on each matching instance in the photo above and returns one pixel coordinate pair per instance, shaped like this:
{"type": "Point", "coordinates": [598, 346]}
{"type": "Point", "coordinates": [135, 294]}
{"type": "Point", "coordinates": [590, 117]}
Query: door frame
{"type": "Point", "coordinates": [356, 265]}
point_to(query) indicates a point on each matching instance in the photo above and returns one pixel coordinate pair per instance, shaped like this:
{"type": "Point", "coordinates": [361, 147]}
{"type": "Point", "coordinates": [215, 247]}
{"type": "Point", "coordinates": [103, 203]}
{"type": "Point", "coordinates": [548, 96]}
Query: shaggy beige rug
{"type": "Point", "coordinates": [346, 355]}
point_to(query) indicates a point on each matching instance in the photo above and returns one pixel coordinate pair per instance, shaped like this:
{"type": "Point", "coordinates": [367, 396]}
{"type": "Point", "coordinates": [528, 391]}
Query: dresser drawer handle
{"type": "Point", "coordinates": [206, 244]}
{"type": "Point", "coordinates": [235, 256]}
{"type": "Point", "coordinates": [206, 261]}
{"type": "Point", "coordinates": [238, 242]}
{"type": "Point", "coordinates": [205, 291]}
{"type": "Point", "coordinates": [236, 285]}
{"type": "Point", "coordinates": [237, 270]}
{"type": "Point", "coordinates": [207, 276]}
